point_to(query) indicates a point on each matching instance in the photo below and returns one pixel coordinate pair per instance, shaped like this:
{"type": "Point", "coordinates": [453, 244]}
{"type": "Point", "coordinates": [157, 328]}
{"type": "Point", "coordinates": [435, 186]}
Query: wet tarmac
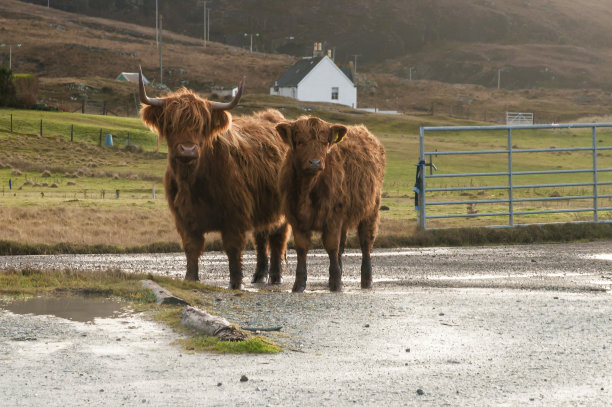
{"type": "Point", "coordinates": [582, 266]}
{"type": "Point", "coordinates": [477, 326]}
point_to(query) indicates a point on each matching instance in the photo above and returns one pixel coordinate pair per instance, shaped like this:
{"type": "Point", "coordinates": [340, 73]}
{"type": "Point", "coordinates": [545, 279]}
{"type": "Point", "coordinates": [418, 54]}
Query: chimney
{"type": "Point", "coordinates": [318, 50]}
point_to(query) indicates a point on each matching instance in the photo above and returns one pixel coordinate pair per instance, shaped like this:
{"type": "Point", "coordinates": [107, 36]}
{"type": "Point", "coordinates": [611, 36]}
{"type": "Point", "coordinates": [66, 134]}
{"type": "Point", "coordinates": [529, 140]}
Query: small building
{"type": "Point", "coordinates": [131, 77]}
{"type": "Point", "coordinates": [317, 79]}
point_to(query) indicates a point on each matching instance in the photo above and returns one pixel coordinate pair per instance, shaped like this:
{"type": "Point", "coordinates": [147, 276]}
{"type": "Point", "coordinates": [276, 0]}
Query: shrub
{"type": "Point", "coordinates": [8, 94]}
{"type": "Point", "coordinates": [26, 89]}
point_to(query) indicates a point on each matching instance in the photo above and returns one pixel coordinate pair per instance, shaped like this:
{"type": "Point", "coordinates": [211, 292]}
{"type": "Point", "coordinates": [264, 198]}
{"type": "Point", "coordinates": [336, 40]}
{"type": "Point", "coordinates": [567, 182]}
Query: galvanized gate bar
{"type": "Point", "coordinates": [574, 184]}
{"type": "Point", "coordinates": [510, 187]}
{"type": "Point", "coordinates": [522, 150]}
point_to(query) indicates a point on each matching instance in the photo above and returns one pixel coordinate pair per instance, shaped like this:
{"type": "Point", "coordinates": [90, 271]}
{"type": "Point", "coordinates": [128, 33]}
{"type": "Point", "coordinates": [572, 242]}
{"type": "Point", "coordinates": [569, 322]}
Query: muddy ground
{"type": "Point", "coordinates": [507, 325]}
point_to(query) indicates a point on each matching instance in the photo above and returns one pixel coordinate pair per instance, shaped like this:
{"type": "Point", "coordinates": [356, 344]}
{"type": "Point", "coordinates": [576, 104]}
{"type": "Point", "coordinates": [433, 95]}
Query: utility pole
{"type": "Point", "coordinates": [156, 24]}
{"type": "Point", "coordinates": [161, 55]}
{"type": "Point", "coordinates": [246, 35]}
{"type": "Point", "coordinates": [498, 78]}
{"type": "Point", "coordinates": [355, 56]}
{"type": "Point", "coordinates": [10, 53]}
{"type": "Point", "coordinates": [205, 28]}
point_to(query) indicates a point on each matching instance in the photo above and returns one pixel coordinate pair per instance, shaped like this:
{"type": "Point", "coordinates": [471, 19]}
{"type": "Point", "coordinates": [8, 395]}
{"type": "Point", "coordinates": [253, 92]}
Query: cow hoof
{"type": "Point", "coordinates": [298, 289]}
{"type": "Point", "coordinates": [366, 284]}
{"type": "Point", "coordinates": [191, 277]}
{"type": "Point", "coordinates": [337, 287]}
{"type": "Point", "coordinates": [235, 286]}
{"type": "Point", "coordinates": [276, 280]}
{"type": "Point", "coordinates": [259, 279]}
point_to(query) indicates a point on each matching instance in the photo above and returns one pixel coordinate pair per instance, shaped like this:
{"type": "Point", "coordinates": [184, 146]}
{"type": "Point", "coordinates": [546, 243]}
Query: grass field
{"type": "Point", "coordinates": [81, 192]}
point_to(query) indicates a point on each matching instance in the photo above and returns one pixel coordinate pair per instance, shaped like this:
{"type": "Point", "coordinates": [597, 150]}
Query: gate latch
{"type": "Point", "coordinates": [431, 165]}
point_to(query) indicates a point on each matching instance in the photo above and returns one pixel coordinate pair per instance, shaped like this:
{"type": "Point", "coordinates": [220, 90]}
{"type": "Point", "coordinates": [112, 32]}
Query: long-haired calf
{"type": "Point", "coordinates": [331, 181]}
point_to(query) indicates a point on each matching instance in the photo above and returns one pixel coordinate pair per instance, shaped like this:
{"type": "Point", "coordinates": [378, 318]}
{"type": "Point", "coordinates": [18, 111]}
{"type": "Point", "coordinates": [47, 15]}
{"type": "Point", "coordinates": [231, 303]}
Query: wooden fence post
{"type": "Point", "coordinates": [41, 132]}
{"type": "Point", "coordinates": [11, 122]}
{"type": "Point", "coordinates": [100, 138]}
{"type": "Point", "coordinates": [71, 132]}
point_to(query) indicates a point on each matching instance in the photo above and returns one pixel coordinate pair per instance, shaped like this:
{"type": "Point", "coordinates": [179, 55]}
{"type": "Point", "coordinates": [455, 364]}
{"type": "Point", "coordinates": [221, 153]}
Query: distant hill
{"type": "Point", "coordinates": [77, 58]}
{"type": "Point", "coordinates": [535, 43]}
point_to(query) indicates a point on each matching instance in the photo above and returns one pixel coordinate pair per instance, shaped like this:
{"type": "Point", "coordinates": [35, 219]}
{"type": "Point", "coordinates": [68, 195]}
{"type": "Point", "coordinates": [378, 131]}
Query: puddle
{"type": "Point", "coordinates": [79, 309]}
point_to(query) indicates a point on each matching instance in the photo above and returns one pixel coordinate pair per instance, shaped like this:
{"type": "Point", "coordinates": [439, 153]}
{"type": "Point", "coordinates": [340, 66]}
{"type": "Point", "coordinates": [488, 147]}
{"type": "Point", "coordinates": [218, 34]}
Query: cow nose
{"type": "Point", "coordinates": [188, 151]}
{"type": "Point", "coordinates": [315, 164]}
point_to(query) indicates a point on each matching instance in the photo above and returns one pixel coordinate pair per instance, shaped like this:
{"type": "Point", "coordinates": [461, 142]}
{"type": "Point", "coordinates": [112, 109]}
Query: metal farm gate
{"type": "Point", "coordinates": [510, 193]}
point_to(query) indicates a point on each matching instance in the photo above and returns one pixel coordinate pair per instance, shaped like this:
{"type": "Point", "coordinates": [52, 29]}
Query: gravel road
{"type": "Point", "coordinates": [505, 325]}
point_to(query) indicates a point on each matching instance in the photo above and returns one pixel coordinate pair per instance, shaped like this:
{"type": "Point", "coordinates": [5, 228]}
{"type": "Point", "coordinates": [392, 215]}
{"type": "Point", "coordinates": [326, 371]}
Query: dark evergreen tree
{"type": "Point", "coordinates": [8, 95]}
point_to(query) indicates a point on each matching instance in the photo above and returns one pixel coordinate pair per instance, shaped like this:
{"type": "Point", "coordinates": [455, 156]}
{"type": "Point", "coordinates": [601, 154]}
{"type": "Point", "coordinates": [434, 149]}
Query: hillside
{"type": "Point", "coordinates": [77, 59]}
{"type": "Point", "coordinates": [552, 43]}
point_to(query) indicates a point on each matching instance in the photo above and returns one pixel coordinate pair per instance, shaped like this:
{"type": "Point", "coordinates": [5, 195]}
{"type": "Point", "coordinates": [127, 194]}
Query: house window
{"type": "Point", "coordinates": [334, 93]}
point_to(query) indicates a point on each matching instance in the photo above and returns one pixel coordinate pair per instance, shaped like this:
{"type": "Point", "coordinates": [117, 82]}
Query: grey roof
{"type": "Point", "coordinates": [348, 72]}
{"type": "Point", "coordinates": [297, 72]}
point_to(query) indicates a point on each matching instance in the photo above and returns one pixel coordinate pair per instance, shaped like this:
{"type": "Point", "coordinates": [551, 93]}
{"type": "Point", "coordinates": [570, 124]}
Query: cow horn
{"type": "Point", "coordinates": [233, 103]}
{"type": "Point", "coordinates": [143, 94]}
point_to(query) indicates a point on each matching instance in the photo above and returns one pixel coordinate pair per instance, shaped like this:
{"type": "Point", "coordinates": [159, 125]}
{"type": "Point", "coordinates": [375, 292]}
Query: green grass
{"type": "Point", "coordinates": [103, 170]}
{"type": "Point", "coordinates": [255, 344]}
{"type": "Point", "coordinates": [29, 282]}
{"type": "Point", "coordinates": [83, 127]}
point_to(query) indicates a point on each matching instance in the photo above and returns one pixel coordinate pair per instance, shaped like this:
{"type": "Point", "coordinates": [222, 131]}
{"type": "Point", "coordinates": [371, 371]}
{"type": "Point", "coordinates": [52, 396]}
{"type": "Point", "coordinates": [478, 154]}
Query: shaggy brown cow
{"type": "Point", "coordinates": [221, 176]}
{"type": "Point", "coordinates": [329, 186]}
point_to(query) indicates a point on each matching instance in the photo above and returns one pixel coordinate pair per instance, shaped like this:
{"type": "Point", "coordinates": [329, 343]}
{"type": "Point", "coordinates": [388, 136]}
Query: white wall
{"type": "Point", "coordinates": [287, 92]}
{"type": "Point", "coordinates": [317, 85]}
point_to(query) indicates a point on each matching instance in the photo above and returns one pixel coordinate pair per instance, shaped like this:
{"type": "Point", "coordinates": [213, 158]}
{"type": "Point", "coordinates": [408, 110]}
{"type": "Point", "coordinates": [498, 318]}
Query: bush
{"type": "Point", "coordinates": [26, 90]}
{"type": "Point", "coordinates": [8, 94]}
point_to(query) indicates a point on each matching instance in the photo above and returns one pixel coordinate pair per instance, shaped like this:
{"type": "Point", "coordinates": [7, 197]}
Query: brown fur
{"type": "Point", "coordinates": [331, 180]}
{"type": "Point", "coordinates": [231, 184]}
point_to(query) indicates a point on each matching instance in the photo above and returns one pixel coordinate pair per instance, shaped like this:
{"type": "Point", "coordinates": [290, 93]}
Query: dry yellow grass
{"type": "Point", "coordinates": [90, 226]}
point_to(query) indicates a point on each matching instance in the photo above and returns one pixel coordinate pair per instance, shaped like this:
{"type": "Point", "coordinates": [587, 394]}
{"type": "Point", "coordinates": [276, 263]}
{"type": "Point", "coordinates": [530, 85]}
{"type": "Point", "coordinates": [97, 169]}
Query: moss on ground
{"type": "Point", "coordinates": [114, 283]}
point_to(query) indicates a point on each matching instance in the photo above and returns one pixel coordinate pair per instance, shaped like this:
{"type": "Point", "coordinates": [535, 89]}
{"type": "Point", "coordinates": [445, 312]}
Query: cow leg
{"type": "Point", "coordinates": [194, 247]}
{"type": "Point", "coordinates": [343, 236]}
{"type": "Point", "coordinates": [367, 233]}
{"type": "Point", "coordinates": [331, 242]}
{"type": "Point", "coordinates": [233, 244]}
{"type": "Point", "coordinates": [278, 247]}
{"type": "Point", "coordinates": [302, 245]}
{"type": "Point", "coordinates": [261, 244]}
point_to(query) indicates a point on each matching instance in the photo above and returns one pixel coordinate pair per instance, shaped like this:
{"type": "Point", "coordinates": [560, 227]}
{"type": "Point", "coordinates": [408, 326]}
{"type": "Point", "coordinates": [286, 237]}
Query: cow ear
{"type": "Point", "coordinates": [284, 130]}
{"type": "Point", "coordinates": [220, 121]}
{"type": "Point", "coordinates": [151, 116]}
{"type": "Point", "coordinates": [337, 133]}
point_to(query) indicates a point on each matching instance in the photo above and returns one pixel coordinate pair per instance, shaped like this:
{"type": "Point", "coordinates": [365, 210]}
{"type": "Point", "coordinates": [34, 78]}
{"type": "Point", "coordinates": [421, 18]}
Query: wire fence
{"type": "Point", "coordinates": [87, 180]}
{"type": "Point", "coordinates": [100, 136]}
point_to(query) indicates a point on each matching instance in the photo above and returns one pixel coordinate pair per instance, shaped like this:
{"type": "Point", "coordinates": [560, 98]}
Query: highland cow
{"type": "Point", "coordinates": [222, 176]}
{"type": "Point", "coordinates": [331, 181]}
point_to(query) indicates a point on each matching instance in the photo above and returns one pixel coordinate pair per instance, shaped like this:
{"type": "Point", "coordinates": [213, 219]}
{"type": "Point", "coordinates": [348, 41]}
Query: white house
{"type": "Point", "coordinates": [131, 77]}
{"type": "Point", "coordinates": [316, 79]}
